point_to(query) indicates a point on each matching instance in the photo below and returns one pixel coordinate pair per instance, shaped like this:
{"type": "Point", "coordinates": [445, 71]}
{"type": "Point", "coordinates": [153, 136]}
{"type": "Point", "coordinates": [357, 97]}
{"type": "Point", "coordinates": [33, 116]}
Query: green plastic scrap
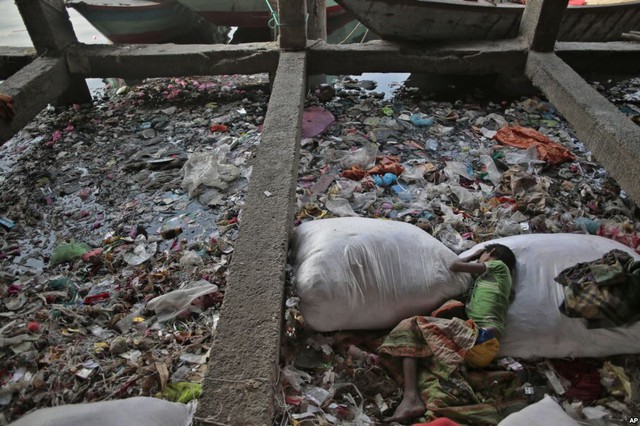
{"type": "Point", "coordinates": [182, 392]}
{"type": "Point", "coordinates": [388, 111]}
{"type": "Point", "coordinates": [66, 252]}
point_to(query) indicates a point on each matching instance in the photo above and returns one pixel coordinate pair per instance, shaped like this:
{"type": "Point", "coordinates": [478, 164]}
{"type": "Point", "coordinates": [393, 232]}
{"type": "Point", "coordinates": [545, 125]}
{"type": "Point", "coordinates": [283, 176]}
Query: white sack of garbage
{"type": "Point", "coordinates": [535, 325]}
{"type": "Point", "coordinates": [359, 273]}
{"type": "Point", "coordinates": [138, 411]}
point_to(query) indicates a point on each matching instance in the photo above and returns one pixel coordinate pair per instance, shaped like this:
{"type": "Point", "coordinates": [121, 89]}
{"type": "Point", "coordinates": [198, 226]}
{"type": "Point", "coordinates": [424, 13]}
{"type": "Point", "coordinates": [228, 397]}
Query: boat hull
{"type": "Point", "coordinates": [137, 21]}
{"type": "Point", "coordinates": [420, 21]}
{"type": "Point", "coordinates": [242, 13]}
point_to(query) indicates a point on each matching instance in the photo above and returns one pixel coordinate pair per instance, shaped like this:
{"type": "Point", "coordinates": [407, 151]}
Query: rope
{"type": "Point", "coordinates": [351, 33]}
{"type": "Point", "coordinates": [273, 22]}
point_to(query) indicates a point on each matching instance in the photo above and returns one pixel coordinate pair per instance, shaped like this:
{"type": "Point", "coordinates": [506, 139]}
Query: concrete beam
{"type": "Point", "coordinates": [608, 133]}
{"type": "Point", "coordinates": [170, 60]}
{"type": "Point", "coordinates": [12, 59]}
{"type": "Point", "coordinates": [541, 23]}
{"type": "Point", "coordinates": [293, 24]}
{"type": "Point", "coordinates": [612, 58]}
{"type": "Point", "coordinates": [33, 87]}
{"type": "Point", "coordinates": [241, 384]}
{"type": "Point", "coordinates": [505, 56]}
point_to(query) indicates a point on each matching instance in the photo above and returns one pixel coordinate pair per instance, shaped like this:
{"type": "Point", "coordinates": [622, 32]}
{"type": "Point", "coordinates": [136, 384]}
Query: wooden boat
{"type": "Point", "coordinates": [146, 21]}
{"type": "Point", "coordinates": [244, 13]}
{"type": "Point", "coordinates": [432, 20]}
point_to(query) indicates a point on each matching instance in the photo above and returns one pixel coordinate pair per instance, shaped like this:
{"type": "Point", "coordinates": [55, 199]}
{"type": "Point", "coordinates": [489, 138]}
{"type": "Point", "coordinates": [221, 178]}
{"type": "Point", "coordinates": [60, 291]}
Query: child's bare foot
{"type": "Point", "coordinates": [409, 408]}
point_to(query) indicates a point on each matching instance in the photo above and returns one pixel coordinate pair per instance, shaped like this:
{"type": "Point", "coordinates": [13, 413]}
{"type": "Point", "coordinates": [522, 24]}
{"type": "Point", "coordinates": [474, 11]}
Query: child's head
{"type": "Point", "coordinates": [503, 253]}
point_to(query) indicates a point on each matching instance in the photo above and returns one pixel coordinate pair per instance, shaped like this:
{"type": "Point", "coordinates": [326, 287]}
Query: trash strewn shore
{"type": "Point", "coordinates": [118, 221]}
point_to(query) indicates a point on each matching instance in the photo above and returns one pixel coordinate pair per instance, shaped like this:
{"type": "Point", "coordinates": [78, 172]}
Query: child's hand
{"type": "Point", "coordinates": [476, 255]}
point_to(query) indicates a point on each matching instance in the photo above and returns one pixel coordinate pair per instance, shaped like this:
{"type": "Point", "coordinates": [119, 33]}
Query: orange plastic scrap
{"type": "Point", "coordinates": [386, 165]}
{"type": "Point", "coordinates": [354, 173]}
{"type": "Point", "coordinates": [523, 137]}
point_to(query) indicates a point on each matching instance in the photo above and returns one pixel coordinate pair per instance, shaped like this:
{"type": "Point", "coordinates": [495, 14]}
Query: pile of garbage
{"type": "Point", "coordinates": [466, 170]}
{"type": "Point", "coordinates": [118, 221]}
{"type": "Point", "coordinates": [117, 225]}
{"type": "Point", "coordinates": [624, 94]}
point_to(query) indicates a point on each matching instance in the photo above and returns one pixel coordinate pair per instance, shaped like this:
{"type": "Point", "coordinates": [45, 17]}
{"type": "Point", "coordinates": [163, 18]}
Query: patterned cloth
{"type": "Point", "coordinates": [442, 341]}
{"type": "Point", "coordinates": [484, 397]}
{"type": "Point", "coordinates": [605, 291]}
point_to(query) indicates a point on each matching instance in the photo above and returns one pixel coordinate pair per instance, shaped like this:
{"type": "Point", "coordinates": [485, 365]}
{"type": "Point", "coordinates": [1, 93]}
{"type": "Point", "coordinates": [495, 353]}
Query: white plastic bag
{"type": "Point", "coordinates": [359, 273]}
{"type": "Point", "coordinates": [535, 325]}
{"type": "Point", "coordinates": [179, 302]}
{"type": "Point", "coordinates": [138, 411]}
{"type": "Point", "coordinates": [207, 169]}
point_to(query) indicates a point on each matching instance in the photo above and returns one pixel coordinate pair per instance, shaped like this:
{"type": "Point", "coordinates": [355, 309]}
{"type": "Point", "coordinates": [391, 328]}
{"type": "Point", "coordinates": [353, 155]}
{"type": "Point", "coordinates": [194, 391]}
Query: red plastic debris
{"type": "Point", "coordinates": [33, 326]}
{"type": "Point", "coordinates": [90, 300]}
{"type": "Point", "coordinates": [219, 128]}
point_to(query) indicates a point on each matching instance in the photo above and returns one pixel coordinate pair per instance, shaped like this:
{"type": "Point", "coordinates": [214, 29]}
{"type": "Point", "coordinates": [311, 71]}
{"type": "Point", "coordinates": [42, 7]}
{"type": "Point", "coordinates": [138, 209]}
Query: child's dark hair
{"type": "Point", "coordinates": [503, 253]}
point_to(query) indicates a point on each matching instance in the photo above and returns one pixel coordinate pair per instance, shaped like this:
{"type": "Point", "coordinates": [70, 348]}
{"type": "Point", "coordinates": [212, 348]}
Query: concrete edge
{"type": "Point", "coordinates": [241, 384]}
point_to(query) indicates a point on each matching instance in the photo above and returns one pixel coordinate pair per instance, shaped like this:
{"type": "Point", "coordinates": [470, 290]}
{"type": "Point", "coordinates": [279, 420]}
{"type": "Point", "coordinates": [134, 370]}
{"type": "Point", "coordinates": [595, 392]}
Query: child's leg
{"type": "Point", "coordinates": [411, 405]}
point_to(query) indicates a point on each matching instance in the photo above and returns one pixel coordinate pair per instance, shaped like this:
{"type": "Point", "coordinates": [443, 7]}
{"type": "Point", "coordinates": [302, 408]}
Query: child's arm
{"type": "Point", "coordinates": [464, 265]}
{"type": "Point", "coordinates": [472, 268]}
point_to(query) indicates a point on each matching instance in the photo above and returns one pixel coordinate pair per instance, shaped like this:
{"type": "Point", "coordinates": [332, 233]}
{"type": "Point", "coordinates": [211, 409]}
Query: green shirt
{"type": "Point", "coordinates": [489, 299]}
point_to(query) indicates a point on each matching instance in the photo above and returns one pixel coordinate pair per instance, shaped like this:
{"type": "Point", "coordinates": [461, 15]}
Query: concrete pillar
{"type": "Point", "coordinates": [51, 32]}
{"type": "Point", "coordinates": [317, 22]}
{"type": "Point", "coordinates": [293, 24]}
{"type": "Point", "coordinates": [541, 23]}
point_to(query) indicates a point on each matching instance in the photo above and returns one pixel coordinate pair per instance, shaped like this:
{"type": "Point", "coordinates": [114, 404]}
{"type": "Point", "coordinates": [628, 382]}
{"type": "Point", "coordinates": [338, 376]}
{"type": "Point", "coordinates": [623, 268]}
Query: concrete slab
{"type": "Point", "coordinates": [43, 81]}
{"type": "Point", "coordinates": [468, 58]}
{"type": "Point", "coordinates": [612, 58]}
{"type": "Point", "coordinates": [608, 133]}
{"type": "Point", "coordinates": [12, 59]}
{"type": "Point", "coordinates": [241, 383]}
{"type": "Point", "coordinates": [171, 60]}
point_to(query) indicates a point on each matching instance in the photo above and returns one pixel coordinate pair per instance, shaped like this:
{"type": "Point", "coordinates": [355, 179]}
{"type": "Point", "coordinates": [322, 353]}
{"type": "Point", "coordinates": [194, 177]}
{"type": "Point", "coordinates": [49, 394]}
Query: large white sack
{"type": "Point", "coordinates": [535, 325]}
{"type": "Point", "coordinates": [137, 411]}
{"type": "Point", "coordinates": [544, 412]}
{"type": "Point", "coordinates": [358, 273]}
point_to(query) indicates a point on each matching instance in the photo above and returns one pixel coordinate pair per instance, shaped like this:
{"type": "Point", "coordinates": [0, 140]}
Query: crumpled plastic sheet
{"type": "Point", "coordinates": [208, 170]}
{"type": "Point", "coordinates": [179, 302]}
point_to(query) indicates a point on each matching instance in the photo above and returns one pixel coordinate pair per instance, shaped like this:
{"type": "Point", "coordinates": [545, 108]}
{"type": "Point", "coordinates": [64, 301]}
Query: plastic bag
{"type": "Point", "coordinates": [358, 273]}
{"type": "Point", "coordinates": [142, 251]}
{"type": "Point", "coordinates": [364, 157]}
{"type": "Point", "coordinates": [179, 302]}
{"type": "Point", "coordinates": [67, 252]}
{"type": "Point", "coordinates": [206, 169]}
{"type": "Point", "coordinates": [535, 325]}
{"type": "Point", "coordinates": [340, 207]}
